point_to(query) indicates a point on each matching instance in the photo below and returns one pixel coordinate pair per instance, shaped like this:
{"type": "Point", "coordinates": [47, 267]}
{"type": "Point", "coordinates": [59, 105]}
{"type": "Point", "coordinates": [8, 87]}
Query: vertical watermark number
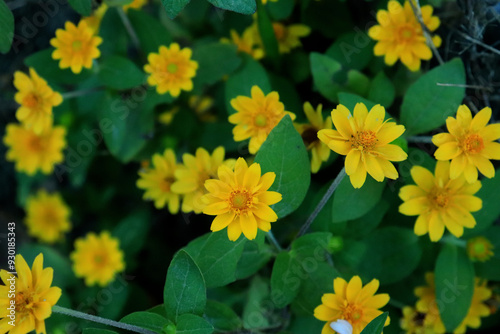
{"type": "Point", "coordinates": [11, 265]}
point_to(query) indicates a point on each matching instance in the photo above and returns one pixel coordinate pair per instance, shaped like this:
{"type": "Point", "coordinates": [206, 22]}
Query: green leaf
{"type": "Point", "coordinates": [350, 203]}
{"type": "Point", "coordinates": [324, 69]}
{"type": "Point", "coordinates": [382, 90]}
{"type": "Point", "coordinates": [132, 231]}
{"type": "Point", "coordinates": [217, 257]}
{"type": "Point", "coordinates": [357, 82]}
{"type": "Point", "coordinates": [151, 33]}
{"type": "Point", "coordinates": [376, 326]}
{"type": "Point", "coordinates": [491, 197]}
{"type": "Point", "coordinates": [284, 153]}
{"type": "Point", "coordinates": [352, 50]}
{"type": "Point", "coordinates": [240, 82]}
{"type": "Point", "coordinates": [222, 317]}
{"type": "Point", "coordinates": [97, 331]}
{"type": "Point", "coordinates": [117, 3]}
{"type": "Point", "coordinates": [254, 313]}
{"type": "Point", "coordinates": [350, 100]}
{"type": "Point", "coordinates": [147, 320]}
{"type": "Point", "coordinates": [82, 7]}
{"type": "Point", "coordinates": [256, 254]}
{"type": "Point", "coordinates": [454, 279]}
{"type": "Point", "coordinates": [115, 38]}
{"type": "Point", "coordinates": [193, 324]}
{"type": "Point", "coordinates": [174, 7]}
{"type": "Point", "coordinates": [280, 10]}
{"type": "Point", "coordinates": [240, 6]}
{"type": "Point", "coordinates": [215, 60]}
{"type": "Point", "coordinates": [267, 34]}
{"type": "Point", "coordinates": [285, 284]}
{"type": "Point", "coordinates": [120, 73]}
{"type": "Point", "coordinates": [311, 245]}
{"type": "Point", "coordinates": [427, 105]}
{"type": "Point", "coordinates": [185, 290]}
{"type": "Point", "coordinates": [6, 27]}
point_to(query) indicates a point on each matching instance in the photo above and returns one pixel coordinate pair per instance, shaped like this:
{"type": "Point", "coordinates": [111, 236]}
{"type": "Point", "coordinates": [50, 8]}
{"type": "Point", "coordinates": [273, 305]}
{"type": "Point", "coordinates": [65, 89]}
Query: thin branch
{"type": "Point", "coordinates": [420, 139]}
{"type": "Point", "coordinates": [129, 28]}
{"type": "Point", "coordinates": [415, 6]}
{"type": "Point", "coordinates": [473, 40]}
{"type": "Point", "coordinates": [78, 93]}
{"type": "Point", "coordinates": [272, 240]}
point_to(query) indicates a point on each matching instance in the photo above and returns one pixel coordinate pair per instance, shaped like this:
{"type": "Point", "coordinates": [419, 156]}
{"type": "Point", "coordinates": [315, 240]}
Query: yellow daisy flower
{"type": "Point", "coordinates": [47, 217]}
{"type": "Point", "coordinates": [365, 140]}
{"type": "Point", "coordinates": [240, 199]}
{"type": "Point", "coordinates": [413, 322]}
{"type": "Point", "coordinates": [34, 297]}
{"type": "Point", "coordinates": [136, 4]}
{"type": "Point", "coordinates": [97, 258]}
{"type": "Point", "coordinates": [192, 175]}
{"type": "Point", "coordinates": [440, 202]}
{"type": "Point", "coordinates": [399, 35]}
{"type": "Point", "coordinates": [157, 181]}
{"type": "Point", "coordinates": [470, 144]}
{"type": "Point", "coordinates": [255, 117]}
{"type": "Point", "coordinates": [36, 99]}
{"type": "Point", "coordinates": [309, 131]}
{"type": "Point", "coordinates": [427, 304]}
{"type": "Point", "coordinates": [171, 69]}
{"type": "Point", "coordinates": [248, 42]}
{"type": "Point", "coordinates": [94, 21]}
{"type": "Point", "coordinates": [32, 152]}
{"type": "Point", "coordinates": [479, 249]}
{"type": "Point", "coordinates": [167, 117]}
{"type": "Point", "coordinates": [202, 104]}
{"type": "Point", "coordinates": [289, 36]}
{"type": "Point", "coordinates": [351, 302]}
{"type": "Point", "coordinates": [76, 46]}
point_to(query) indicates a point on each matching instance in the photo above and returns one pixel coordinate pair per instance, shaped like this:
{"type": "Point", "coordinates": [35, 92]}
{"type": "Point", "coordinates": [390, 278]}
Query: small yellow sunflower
{"type": "Point", "coordinates": [97, 258]}
{"type": "Point", "coordinates": [240, 200]}
{"type": "Point", "coordinates": [171, 69]}
{"type": "Point", "coordinates": [413, 322]}
{"type": "Point", "coordinates": [248, 42]}
{"type": "Point", "coordinates": [36, 99]}
{"type": "Point", "coordinates": [479, 249]}
{"type": "Point", "coordinates": [289, 36]}
{"type": "Point", "coordinates": [76, 46]}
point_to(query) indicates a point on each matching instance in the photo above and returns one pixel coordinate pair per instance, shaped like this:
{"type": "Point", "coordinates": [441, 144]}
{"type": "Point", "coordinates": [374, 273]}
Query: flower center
{"type": "Point", "coordinates": [76, 45]}
{"type": "Point", "coordinates": [407, 33]}
{"type": "Point", "coordinates": [24, 301]}
{"type": "Point", "coordinates": [440, 198]}
{"type": "Point", "coordinates": [352, 313]}
{"type": "Point", "coordinates": [172, 68]}
{"type": "Point", "coordinates": [35, 144]}
{"type": "Point", "coordinates": [473, 144]}
{"type": "Point", "coordinates": [260, 120]}
{"type": "Point", "coordinates": [240, 201]}
{"type": "Point", "coordinates": [279, 31]}
{"type": "Point", "coordinates": [364, 140]}
{"type": "Point", "coordinates": [166, 183]}
{"type": "Point", "coordinates": [310, 136]}
{"type": "Point", "coordinates": [31, 100]}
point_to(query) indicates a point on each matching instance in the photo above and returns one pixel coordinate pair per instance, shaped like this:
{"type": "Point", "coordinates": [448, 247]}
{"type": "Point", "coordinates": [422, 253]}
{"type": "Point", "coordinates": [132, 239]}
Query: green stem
{"type": "Point", "coordinates": [420, 139]}
{"type": "Point", "coordinates": [85, 316]}
{"type": "Point", "coordinates": [78, 93]}
{"type": "Point", "coordinates": [272, 240]}
{"type": "Point", "coordinates": [451, 240]}
{"type": "Point", "coordinates": [129, 28]}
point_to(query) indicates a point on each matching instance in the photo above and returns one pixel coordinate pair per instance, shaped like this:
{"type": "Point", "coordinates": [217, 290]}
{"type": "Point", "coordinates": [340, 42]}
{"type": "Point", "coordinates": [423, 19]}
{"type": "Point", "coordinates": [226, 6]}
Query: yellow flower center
{"type": "Point", "coordinates": [279, 31]}
{"type": "Point", "coordinates": [406, 33]}
{"type": "Point", "coordinates": [31, 100]}
{"type": "Point", "coordinates": [24, 301]}
{"type": "Point", "coordinates": [352, 313]}
{"type": "Point", "coordinates": [36, 144]}
{"type": "Point", "coordinates": [260, 120]}
{"type": "Point", "coordinates": [76, 45]}
{"type": "Point", "coordinates": [240, 201]}
{"type": "Point", "coordinates": [440, 198]}
{"type": "Point", "coordinates": [473, 144]}
{"type": "Point", "coordinates": [364, 140]}
{"type": "Point", "coordinates": [310, 136]}
{"type": "Point", "coordinates": [479, 249]}
{"type": "Point", "coordinates": [172, 68]}
{"type": "Point", "coordinates": [166, 183]}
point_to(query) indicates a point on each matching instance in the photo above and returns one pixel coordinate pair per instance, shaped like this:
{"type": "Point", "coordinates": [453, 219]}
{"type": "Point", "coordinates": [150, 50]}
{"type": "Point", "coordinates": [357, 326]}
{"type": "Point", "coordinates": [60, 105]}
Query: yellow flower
{"type": "Point", "coordinates": [479, 249]}
{"type": "Point", "coordinates": [256, 117]}
{"type": "Point", "coordinates": [34, 297]}
{"type": "Point", "coordinates": [351, 302]}
{"type": "Point", "coordinates": [364, 139]}
{"type": "Point", "coordinates": [97, 258]}
{"type": "Point", "coordinates": [470, 144]}
{"type": "Point", "coordinates": [201, 106]}
{"type": "Point", "coordinates": [136, 4]}
{"type": "Point", "coordinates": [167, 117]}
{"type": "Point", "coordinates": [157, 181]}
{"type": "Point", "coordinates": [289, 36]}
{"type": "Point", "coordinates": [413, 322]}
{"type": "Point", "coordinates": [240, 199]}
{"type": "Point", "coordinates": [32, 152]}
{"type": "Point", "coordinates": [399, 35]}
{"type": "Point", "coordinates": [440, 202]}
{"type": "Point", "coordinates": [171, 69]}
{"type": "Point", "coordinates": [76, 46]}
{"type": "Point", "coordinates": [249, 42]}
{"type": "Point", "coordinates": [94, 21]}
{"type": "Point", "coordinates": [319, 150]}
{"type": "Point", "coordinates": [192, 175]}
{"type": "Point", "coordinates": [47, 216]}
{"type": "Point", "coordinates": [427, 304]}
{"type": "Point", "coordinates": [36, 99]}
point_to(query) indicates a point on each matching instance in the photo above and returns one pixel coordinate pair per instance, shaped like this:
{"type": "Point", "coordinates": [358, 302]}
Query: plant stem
{"type": "Point", "coordinates": [272, 239]}
{"type": "Point", "coordinates": [322, 203]}
{"type": "Point", "coordinates": [85, 316]}
{"type": "Point", "coordinates": [78, 93]}
{"type": "Point", "coordinates": [420, 139]}
{"type": "Point", "coordinates": [415, 6]}
{"type": "Point", "coordinates": [129, 28]}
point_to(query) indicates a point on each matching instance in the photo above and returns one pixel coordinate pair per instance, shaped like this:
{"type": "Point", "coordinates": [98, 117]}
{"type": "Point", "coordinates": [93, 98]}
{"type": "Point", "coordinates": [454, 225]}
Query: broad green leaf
{"type": "Point", "coordinates": [311, 245]}
{"type": "Point", "coordinates": [217, 257]}
{"type": "Point", "coordinates": [115, 38]}
{"type": "Point", "coordinates": [256, 254]}
{"type": "Point", "coordinates": [6, 27]}
{"type": "Point", "coordinates": [324, 69]}
{"type": "Point", "coordinates": [382, 90]}
{"type": "Point", "coordinates": [280, 10]}
{"type": "Point", "coordinates": [222, 317]}
{"type": "Point", "coordinates": [215, 60]}
{"type": "Point", "coordinates": [266, 31]}
{"type": "Point", "coordinates": [151, 33]}
{"type": "Point", "coordinates": [82, 7]}
{"type": "Point", "coordinates": [193, 324]}
{"type": "Point", "coordinates": [147, 320]}
{"type": "Point", "coordinates": [454, 279]}
{"type": "Point", "coordinates": [240, 82]}
{"type": "Point", "coordinates": [363, 226]}
{"type": "Point", "coordinates": [117, 3]}
{"type": "Point", "coordinates": [352, 50]}
{"type": "Point", "coordinates": [185, 290]}
{"type": "Point", "coordinates": [174, 7]}
{"type": "Point", "coordinates": [357, 82]}
{"type": "Point", "coordinates": [285, 284]}
{"type": "Point", "coordinates": [491, 197]}
{"type": "Point", "coordinates": [241, 6]}
{"type": "Point", "coordinates": [254, 312]}
{"type": "Point", "coordinates": [288, 95]}
{"type": "Point", "coordinates": [120, 73]}
{"type": "Point", "coordinates": [301, 325]}
{"type": "Point", "coordinates": [376, 326]}
{"type": "Point", "coordinates": [284, 153]}
{"type": "Point", "coordinates": [350, 100]}
{"type": "Point", "coordinates": [132, 231]}
{"type": "Point", "coordinates": [350, 203]}
{"type": "Point", "coordinates": [297, 65]}
{"type": "Point", "coordinates": [426, 105]}
{"type": "Point", "coordinates": [97, 331]}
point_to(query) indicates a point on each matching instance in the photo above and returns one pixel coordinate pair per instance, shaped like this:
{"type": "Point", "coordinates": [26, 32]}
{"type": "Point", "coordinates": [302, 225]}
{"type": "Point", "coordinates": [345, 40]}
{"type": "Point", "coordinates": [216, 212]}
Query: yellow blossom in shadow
{"type": "Point", "coordinates": [470, 144]}
{"type": "Point", "coordinates": [34, 297]}
{"type": "Point", "coordinates": [135, 4]}
{"type": "Point", "coordinates": [399, 35]}
{"type": "Point", "coordinates": [440, 202]}
{"type": "Point", "coordinates": [352, 302]}
{"type": "Point", "coordinates": [97, 258]}
{"type": "Point", "coordinates": [202, 106]}
{"type": "Point", "coordinates": [479, 249]}
{"type": "Point", "coordinates": [167, 117]}
{"type": "Point", "coordinates": [76, 46]}
{"type": "Point", "coordinates": [413, 322]}
{"type": "Point", "coordinates": [248, 42]}
{"type": "Point", "coordinates": [94, 21]}
{"type": "Point", "coordinates": [47, 216]}
{"type": "Point", "coordinates": [365, 141]}
{"type": "Point", "coordinates": [240, 200]}
{"type": "Point", "coordinates": [288, 37]}
{"type": "Point", "coordinates": [32, 152]}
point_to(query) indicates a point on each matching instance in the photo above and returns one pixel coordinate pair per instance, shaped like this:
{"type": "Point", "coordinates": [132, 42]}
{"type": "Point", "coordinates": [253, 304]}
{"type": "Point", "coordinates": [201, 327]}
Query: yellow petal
{"type": "Point", "coordinates": [421, 225]}
{"type": "Point", "coordinates": [491, 151]}
{"type": "Point", "coordinates": [359, 177]}
{"type": "Point", "coordinates": [252, 176]}
{"type": "Point", "coordinates": [484, 165]}
{"type": "Point", "coordinates": [414, 206]}
{"type": "Point", "coordinates": [468, 202]}
{"type": "Point", "coordinates": [411, 191]}
{"type": "Point", "coordinates": [436, 227]}
{"type": "Point", "coordinates": [324, 313]}
{"type": "Point", "coordinates": [470, 173]}
{"type": "Point", "coordinates": [375, 118]}
{"type": "Point", "coordinates": [391, 152]}
{"type": "Point", "coordinates": [340, 118]}
{"type": "Point", "coordinates": [388, 168]}
{"type": "Point", "coordinates": [448, 151]}
{"type": "Point", "coordinates": [422, 177]}
{"type": "Point", "coordinates": [340, 146]}
{"type": "Point", "coordinates": [222, 221]}
{"type": "Point", "coordinates": [353, 288]}
{"type": "Point", "coordinates": [265, 212]}
{"type": "Point", "coordinates": [352, 161]}
{"type": "Point", "coordinates": [457, 166]}
{"type": "Point", "coordinates": [248, 225]}
{"type": "Point", "coordinates": [481, 119]}
{"type": "Point", "coordinates": [215, 209]}
{"type": "Point", "coordinates": [377, 301]}
{"type": "Point", "coordinates": [269, 197]}
{"type": "Point", "coordinates": [339, 286]}
{"type": "Point", "coordinates": [491, 132]}
{"type": "Point", "coordinates": [389, 132]}
{"type": "Point", "coordinates": [360, 113]}
{"type": "Point", "coordinates": [442, 138]}
{"type": "Point", "coordinates": [42, 310]}
{"type": "Point", "coordinates": [373, 167]}
{"type": "Point", "coordinates": [234, 230]}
